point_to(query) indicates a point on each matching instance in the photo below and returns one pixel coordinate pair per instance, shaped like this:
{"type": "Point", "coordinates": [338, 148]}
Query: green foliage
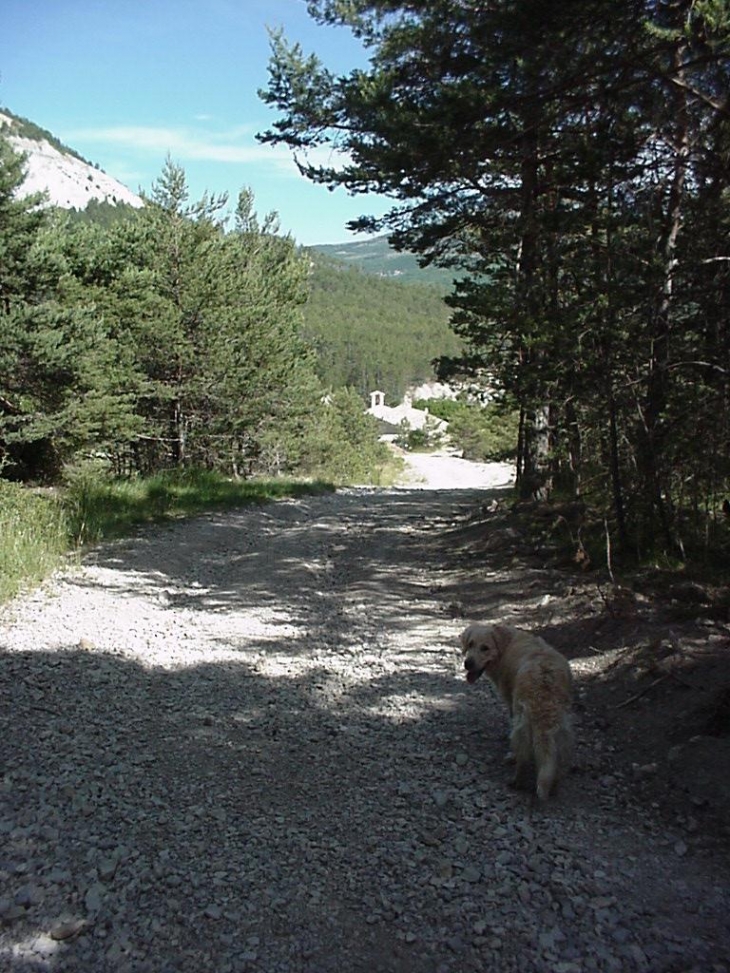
{"type": "Point", "coordinates": [67, 381]}
{"type": "Point", "coordinates": [20, 222]}
{"type": "Point", "coordinates": [571, 160]}
{"type": "Point", "coordinates": [103, 213]}
{"type": "Point", "coordinates": [215, 324]}
{"type": "Point", "coordinates": [161, 340]}
{"type": "Point", "coordinates": [372, 332]}
{"type": "Point", "coordinates": [375, 256]}
{"type": "Point", "coordinates": [29, 317]}
{"type": "Point", "coordinates": [98, 507]}
{"type": "Point", "coordinates": [418, 440]}
{"type": "Point", "coordinates": [33, 537]}
{"type": "Point", "coordinates": [342, 444]}
{"type": "Point", "coordinates": [484, 433]}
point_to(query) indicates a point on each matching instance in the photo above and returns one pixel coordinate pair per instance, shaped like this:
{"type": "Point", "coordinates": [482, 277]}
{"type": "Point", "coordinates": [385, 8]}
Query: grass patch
{"type": "Point", "coordinates": [33, 537]}
{"type": "Point", "coordinates": [98, 509]}
{"type": "Point", "coordinates": [39, 529]}
{"type": "Point", "coordinates": [391, 471]}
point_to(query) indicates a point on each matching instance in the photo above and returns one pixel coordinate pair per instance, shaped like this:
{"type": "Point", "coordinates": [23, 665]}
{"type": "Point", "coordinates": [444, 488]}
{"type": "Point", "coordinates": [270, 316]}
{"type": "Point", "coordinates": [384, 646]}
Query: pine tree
{"type": "Point", "coordinates": [60, 386]}
{"type": "Point", "coordinates": [554, 154]}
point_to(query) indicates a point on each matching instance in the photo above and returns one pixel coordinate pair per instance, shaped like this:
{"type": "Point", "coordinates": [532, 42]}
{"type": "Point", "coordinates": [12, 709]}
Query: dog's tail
{"type": "Point", "coordinates": [553, 751]}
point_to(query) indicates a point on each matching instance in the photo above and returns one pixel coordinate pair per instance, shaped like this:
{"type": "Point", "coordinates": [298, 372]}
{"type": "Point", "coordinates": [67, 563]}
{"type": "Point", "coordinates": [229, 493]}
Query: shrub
{"type": "Point", "coordinates": [342, 445]}
{"type": "Point", "coordinates": [484, 433]}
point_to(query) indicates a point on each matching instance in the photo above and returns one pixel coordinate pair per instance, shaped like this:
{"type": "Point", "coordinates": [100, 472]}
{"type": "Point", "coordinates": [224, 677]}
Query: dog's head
{"type": "Point", "coordinates": [482, 647]}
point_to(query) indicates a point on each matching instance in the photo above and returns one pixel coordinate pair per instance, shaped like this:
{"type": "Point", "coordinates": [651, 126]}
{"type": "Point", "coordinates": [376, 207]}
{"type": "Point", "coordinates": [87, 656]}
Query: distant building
{"type": "Point", "coordinates": [394, 420]}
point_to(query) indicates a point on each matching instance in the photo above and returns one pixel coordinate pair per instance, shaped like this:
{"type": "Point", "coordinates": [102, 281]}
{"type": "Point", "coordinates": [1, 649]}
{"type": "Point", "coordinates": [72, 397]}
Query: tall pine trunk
{"type": "Point", "coordinates": [651, 458]}
{"type": "Point", "coordinates": [535, 474]}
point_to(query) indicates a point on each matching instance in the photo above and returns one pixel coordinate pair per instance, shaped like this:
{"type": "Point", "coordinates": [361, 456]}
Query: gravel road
{"type": "Point", "coordinates": [244, 743]}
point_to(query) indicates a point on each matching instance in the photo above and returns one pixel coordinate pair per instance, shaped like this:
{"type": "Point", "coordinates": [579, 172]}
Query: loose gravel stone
{"type": "Point", "coordinates": [244, 743]}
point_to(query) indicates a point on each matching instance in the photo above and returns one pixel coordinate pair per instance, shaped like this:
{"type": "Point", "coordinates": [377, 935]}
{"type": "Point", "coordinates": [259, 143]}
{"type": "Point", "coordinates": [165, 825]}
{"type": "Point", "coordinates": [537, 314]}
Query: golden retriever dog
{"type": "Point", "coordinates": [535, 681]}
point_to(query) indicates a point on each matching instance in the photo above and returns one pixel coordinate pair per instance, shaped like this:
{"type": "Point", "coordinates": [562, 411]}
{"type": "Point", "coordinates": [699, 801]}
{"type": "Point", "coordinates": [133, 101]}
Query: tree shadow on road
{"type": "Point", "coordinates": [226, 803]}
{"type": "Point", "coordinates": [282, 803]}
{"type": "Point", "coordinates": [382, 549]}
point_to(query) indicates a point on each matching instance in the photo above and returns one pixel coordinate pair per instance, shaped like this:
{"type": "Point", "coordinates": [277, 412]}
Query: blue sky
{"type": "Point", "coordinates": [125, 82]}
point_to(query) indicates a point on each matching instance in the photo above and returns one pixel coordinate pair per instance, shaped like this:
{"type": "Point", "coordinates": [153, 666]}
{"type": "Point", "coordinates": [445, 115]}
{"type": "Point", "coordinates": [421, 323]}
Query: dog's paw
{"type": "Point", "coordinates": [523, 779]}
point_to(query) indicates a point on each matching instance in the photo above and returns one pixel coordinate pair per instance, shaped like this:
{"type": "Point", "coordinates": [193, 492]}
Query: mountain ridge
{"type": "Point", "coordinates": [69, 181]}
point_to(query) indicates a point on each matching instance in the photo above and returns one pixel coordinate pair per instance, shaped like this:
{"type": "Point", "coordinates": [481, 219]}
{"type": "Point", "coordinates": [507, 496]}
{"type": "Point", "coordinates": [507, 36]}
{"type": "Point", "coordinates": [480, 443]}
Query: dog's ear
{"type": "Point", "coordinates": [501, 637]}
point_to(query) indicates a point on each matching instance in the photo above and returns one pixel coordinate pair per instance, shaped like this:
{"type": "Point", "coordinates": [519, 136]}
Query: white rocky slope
{"type": "Point", "coordinates": [69, 182]}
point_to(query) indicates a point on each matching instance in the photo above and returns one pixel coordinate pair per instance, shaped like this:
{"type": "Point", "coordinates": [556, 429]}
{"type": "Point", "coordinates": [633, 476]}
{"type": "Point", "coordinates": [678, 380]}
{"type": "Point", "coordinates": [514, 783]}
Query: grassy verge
{"type": "Point", "coordinates": [99, 509]}
{"type": "Point", "coordinates": [38, 530]}
{"type": "Point", "coordinates": [33, 537]}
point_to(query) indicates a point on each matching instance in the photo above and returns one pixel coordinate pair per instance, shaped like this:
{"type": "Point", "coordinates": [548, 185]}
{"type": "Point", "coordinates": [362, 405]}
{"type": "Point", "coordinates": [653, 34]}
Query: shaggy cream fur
{"type": "Point", "coordinates": [535, 681]}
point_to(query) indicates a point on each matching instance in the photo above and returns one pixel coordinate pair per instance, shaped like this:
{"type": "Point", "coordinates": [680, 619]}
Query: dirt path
{"type": "Point", "coordinates": [244, 743]}
{"type": "Point", "coordinates": [444, 471]}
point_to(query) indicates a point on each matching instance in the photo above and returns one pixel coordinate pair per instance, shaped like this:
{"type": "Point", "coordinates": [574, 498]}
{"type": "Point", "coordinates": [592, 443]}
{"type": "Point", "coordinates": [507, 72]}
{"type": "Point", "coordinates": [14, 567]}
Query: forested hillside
{"type": "Point", "coordinates": [371, 332]}
{"type": "Point", "coordinates": [366, 331]}
{"type": "Point", "coordinates": [377, 256]}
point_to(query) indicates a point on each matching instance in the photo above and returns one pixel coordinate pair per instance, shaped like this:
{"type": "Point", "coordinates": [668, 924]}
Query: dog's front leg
{"type": "Point", "coordinates": [522, 779]}
{"type": "Point", "coordinates": [519, 750]}
{"type": "Point", "coordinates": [509, 757]}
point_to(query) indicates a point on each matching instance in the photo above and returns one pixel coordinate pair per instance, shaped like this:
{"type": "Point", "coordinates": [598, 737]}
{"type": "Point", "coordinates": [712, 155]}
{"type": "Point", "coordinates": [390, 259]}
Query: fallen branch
{"type": "Point", "coordinates": [632, 699]}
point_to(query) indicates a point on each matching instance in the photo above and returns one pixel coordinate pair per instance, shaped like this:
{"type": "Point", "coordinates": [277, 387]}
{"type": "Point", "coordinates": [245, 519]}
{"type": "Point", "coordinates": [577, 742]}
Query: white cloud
{"type": "Point", "coordinates": [183, 144]}
{"type": "Point", "coordinates": [235, 145]}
